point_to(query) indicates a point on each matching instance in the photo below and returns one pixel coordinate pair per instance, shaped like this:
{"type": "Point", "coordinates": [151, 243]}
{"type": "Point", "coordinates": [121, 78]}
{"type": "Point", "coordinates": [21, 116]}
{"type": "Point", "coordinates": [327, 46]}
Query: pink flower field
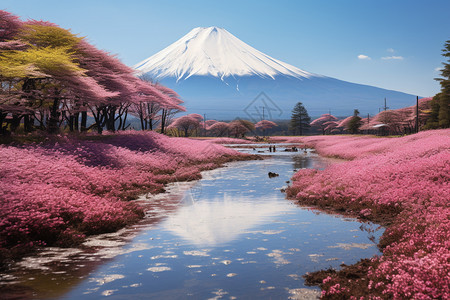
{"type": "Point", "coordinates": [402, 183]}
{"type": "Point", "coordinates": [57, 192]}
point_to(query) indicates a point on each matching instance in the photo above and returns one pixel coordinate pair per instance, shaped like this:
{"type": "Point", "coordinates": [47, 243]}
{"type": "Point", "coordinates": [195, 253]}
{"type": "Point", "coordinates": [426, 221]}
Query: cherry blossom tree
{"type": "Point", "coordinates": [50, 75]}
{"type": "Point", "coordinates": [9, 24]}
{"type": "Point", "coordinates": [331, 126]}
{"type": "Point", "coordinates": [343, 124]}
{"type": "Point", "coordinates": [322, 122]}
{"type": "Point", "coordinates": [209, 123]}
{"type": "Point", "coordinates": [264, 125]}
{"type": "Point", "coordinates": [398, 121]}
{"type": "Point", "coordinates": [219, 128]}
{"type": "Point", "coordinates": [238, 128]}
{"type": "Point", "coordinates": [47, 68]}
{"type": "Point", "coordinates": [187, 123]}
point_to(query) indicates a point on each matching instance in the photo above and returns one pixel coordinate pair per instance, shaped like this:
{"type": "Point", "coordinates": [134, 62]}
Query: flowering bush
{"type": "Point", "coordinates": [405, 179]}
{"type": "Point", "coordinates": [55, 193]}
{"type": "Point", "coordinates": [227, 140]}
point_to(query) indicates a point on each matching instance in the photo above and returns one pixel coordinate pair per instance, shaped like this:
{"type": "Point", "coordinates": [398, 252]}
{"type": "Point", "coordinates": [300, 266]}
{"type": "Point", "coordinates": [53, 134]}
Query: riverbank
{"type": "Point", "coordinates": [57, 192]}
{"type": "Point", "coordinates": [401, 182]}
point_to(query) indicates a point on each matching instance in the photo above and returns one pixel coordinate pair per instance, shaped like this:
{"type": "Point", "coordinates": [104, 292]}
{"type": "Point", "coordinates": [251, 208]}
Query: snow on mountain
{"type": "Point", "coordinates": [213, 51]}
{"type": "Point", "coordinates": [219, 75]}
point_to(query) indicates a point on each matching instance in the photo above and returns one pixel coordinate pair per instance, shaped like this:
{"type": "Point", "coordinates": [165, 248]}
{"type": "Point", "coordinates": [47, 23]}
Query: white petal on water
{"type": "Point", "coordinates": [159, 269]}
{"type": "Point", "coordinates": [163, 256]}
{"type": "Point", "coordinates": [351, 245]}
{"type": "Point", "coordinates": [278, 257]}
{"type": "Point", "coordinates": [315, 257]}
{"type": "Point", "coordinates": [331, 259]}
{"type": "Point", "coordinates": [303, 294]}
{"type": "Point", "coordinates": [108, 292]}
{"type": "Point", "coordinates": [107, 279]}
{"type": "Point", "coordinates": [196, 253]}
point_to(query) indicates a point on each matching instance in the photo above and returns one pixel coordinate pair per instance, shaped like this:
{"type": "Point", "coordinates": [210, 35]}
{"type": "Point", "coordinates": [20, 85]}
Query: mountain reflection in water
{"type": "Point", "coordinates": [222, 219]}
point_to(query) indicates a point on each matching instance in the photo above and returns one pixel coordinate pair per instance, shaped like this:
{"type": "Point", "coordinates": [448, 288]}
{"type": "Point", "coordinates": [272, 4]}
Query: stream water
{"type": "Point", "coordinates": [230, 235]}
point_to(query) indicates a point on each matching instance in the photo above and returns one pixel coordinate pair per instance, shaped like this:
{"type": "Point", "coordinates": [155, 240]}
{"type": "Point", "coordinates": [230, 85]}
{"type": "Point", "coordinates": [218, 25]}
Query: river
{"type": "Point", "coordinates": [230, 235]}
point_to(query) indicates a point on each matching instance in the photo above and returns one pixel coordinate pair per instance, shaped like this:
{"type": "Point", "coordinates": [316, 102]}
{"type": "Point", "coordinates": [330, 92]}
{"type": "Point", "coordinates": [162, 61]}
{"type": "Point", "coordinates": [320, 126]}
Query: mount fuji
{"type": "Point", "coordinates": [217, 74]}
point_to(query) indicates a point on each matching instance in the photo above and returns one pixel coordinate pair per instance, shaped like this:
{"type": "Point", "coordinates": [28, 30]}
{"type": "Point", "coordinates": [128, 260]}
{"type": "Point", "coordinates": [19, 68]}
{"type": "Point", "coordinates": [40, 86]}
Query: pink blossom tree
{"type": "Point", "coordinates": [342, 125]}
{"type": "Point", "coordinates": [398, 121]}
{"type": "Point", "coordinates": [53, 76]}
{"type": "Point", "coordinates": [263, 125]}
{"type": "Point", "coordinates": [209, 123]}
{"type": "Point", "coordinates": [10, 26]}
{"type": "Point", "coordinates": [322, 122]}
{"type": "Point", "coordinates": [219, 128]}
{"type": "Point", "coordinates": [238, 128]}
{"type": "Point", "coordinates": [187, 123]}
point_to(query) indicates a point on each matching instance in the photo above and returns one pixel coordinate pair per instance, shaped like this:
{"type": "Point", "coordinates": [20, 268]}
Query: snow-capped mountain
{"type": "Point", "coordinates": [213, 51]}
{"type": "Point", "coordinates": [218, 74]}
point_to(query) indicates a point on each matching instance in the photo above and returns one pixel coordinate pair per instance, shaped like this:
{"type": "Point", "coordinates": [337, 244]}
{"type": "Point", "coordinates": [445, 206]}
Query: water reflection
{"type": "Point", "coordinates": [231, 234]}
{"type": "Point", "coordinates": [222, 219]}
{"type": "Point", "coordinates": [302, 162]}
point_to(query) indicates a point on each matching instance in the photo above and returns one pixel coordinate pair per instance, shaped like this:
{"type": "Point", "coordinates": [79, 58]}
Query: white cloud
{"type": "Point", "coordinates": [362, 56]}
{"type": "Point", "coordinates": [390, 50]}
{"type": "Point", "coordinates": [393, 57]}
{"type": "Point", "coordinates": [438, 69]}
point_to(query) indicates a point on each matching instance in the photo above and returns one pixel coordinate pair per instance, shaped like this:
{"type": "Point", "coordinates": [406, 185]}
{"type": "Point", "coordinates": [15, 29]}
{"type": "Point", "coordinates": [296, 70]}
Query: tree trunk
{"type": "Point", "coordinates": [71, 122]}
{"type": "Point", "coordinates": [83, 125]}
{"type": "Point", "coordinates": [109, 117]}
{"type": "Point", "coordinates": [150, 115]}
{"type": "Point", "coordinates": [76, 116]}
{"type": "Point", "coordinates": [28, 123]}
{"type": "Point", "coordinates": [2, 117]}
{"type": "Point", "coordinates": [163, 120]}
{"type": "Point", "coordinates": [54, 117]}
{"type": "Point", "coordinates": [15, 122]}
{"type": "Point", "coordinates": [124, 120]}
{"type": "Point", "coordinates": [99, 121]}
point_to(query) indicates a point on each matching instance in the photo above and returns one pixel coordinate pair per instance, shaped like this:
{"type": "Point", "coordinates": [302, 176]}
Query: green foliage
{"type": "Point", "coordinates": [300, 119]}
{"type": "Point", "coordinates": [355, 122]}
{"type": "Point", "coordinates": [37, 63]}
{"type": "Point", "coordinates": [433, 119]}
{"type": "Point", "coordinates": [440, 106]}
{"type": "Point", "coordinates": [50, 52]}
{"type": "Point", "coordinates": [48, 36]}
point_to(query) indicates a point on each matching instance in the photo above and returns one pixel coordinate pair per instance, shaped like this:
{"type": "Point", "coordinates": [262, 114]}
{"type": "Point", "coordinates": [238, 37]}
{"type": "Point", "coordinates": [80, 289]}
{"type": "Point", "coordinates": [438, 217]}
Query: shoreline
{"type": "Point", "coordinates": [60, 191]}
{"type": "Point", "coordinates": [399, 183]}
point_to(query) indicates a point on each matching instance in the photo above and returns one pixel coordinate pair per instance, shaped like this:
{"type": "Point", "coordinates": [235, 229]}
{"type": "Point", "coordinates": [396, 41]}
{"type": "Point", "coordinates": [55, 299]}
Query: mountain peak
{"type": "Point", "coordinates": [213, 51]}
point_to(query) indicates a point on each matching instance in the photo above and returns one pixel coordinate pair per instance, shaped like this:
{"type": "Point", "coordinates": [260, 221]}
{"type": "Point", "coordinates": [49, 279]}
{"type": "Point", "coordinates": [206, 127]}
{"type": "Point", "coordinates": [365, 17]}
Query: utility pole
{"type": "Point", "coordinates": [417, 114]}
{"type": "Point", "coordinates": [368, 118]}
{"type": "Point", "coordinates": [204, 124]}
{"type": "Point", "coordinates": [263, 107]}
{"type": "Point", "coordinates": [385, 107]}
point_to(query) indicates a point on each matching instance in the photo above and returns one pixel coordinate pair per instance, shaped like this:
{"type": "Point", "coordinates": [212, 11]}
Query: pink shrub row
{"type": "Point", "coordinates": [228, 140]}
{"type": "Point", "coordinates": [405, 178]}
{"type": "Point", "coordinates": [56, 193]}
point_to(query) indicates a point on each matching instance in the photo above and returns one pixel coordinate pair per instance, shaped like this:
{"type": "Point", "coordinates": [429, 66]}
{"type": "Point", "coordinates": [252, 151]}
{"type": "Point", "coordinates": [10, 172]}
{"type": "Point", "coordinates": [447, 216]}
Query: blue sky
{"type": "Point", "coordinates": [392, 44]}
